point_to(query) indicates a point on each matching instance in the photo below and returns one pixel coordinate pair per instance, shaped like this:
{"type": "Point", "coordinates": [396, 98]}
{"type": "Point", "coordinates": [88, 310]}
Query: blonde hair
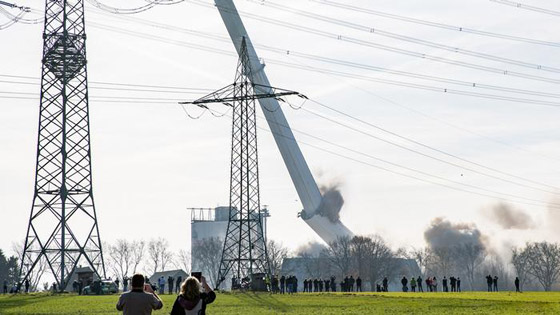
{"type": "Point", "coordinates": [190, 288]}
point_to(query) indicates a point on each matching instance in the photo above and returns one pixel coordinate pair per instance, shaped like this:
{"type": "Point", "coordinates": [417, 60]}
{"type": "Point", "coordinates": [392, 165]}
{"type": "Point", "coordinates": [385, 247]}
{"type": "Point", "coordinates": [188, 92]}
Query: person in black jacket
{"type": "Point", "coordinates": [191, 300]}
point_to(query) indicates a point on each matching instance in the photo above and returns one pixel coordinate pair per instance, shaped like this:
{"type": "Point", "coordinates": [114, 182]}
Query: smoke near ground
{"type": "Point", "coordinates": [510, 218]}
{"type": "Point", "coordinates": [332, 202]}
{"type": "Point", "coordinates": [312, 249]}
{"type": "Point", "coordinates": [444, 234]}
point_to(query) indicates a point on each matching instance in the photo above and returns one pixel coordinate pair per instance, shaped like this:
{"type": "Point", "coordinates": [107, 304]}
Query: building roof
{"type": "Point", "coordinates": [165, 274]}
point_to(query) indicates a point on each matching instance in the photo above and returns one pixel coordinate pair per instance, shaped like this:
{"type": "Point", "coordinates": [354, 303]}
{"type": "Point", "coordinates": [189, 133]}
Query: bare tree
{"type": "Point", "coordinates": [183, 261]}
{"type": "Point", "coordinates": [422, 257]}
{"type": "Point", "coordinates": [138, 250]}
{"type": "Point", "coordinates": [160, 255]}
{"type": "Point", "coordinates": [441, 261]}
{"type": "Point", "coordinates": [360, 250]}
{"type": "Point", "coordinates": [380, 260]}
{"type": "Point", "coordinates": [120, 257]}
{"type": "Point", "coordinates": [340, 255]}
{"type": "Point", "coordinates": [39, 269]}
{"type": "Point", "coordinates": [276, 254]}
{"type": "Point", "coordinates": [544, 259]}
{"type": "Point", "coordinates": [521, 263]}
{"type": "Point", "coordinates": [469, 257]}
{"type": "Point", "coordinates": [206, 255]}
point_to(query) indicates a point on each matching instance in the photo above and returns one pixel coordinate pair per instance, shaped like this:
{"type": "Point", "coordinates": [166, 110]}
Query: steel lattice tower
{"type": "Point", "coordinates": [244, 252]}
{"type": "Point", "coordinates": [63, 226]}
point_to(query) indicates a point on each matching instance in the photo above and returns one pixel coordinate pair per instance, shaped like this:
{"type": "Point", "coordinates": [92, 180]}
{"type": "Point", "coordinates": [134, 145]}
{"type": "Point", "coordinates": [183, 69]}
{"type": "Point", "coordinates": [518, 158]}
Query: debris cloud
{"type": "Point", "coordinates": [332, 201]}
{"type": "Point", "coordinates": [510, 218]}
{"type": "Point", "coordinates": [444, 234]}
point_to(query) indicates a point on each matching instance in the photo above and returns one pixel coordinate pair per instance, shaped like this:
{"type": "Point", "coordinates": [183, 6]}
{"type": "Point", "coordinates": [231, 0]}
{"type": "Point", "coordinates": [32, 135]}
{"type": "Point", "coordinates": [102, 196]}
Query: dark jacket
{"type": "Point", "coordinates": [181, 303]}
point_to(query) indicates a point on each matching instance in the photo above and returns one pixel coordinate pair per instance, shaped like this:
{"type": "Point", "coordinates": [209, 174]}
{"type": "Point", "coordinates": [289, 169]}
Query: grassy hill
{"type": "Point", "coordinates": [325, 303]}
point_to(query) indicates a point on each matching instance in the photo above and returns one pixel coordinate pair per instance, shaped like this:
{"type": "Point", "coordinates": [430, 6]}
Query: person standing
{"type": "Point", "coordinates": [419, 283]}
{"type": "Point", "coordinates": [5, 287]}
{"type": "Point", "coordinates": [489, 282]}
{"type": "Point", "coordinates": [170, 282]}
{"type": "Point", "coordinates": [351, 283]}
{"type": "Point", "coordinates": [282, 284]}
{"type": "Point", "coordinates": [495, 281]}
{"type": "Point", "coordinates": [412, 284]}
{"type": "Point", "coordinates": [458, 284]}
{"type": "Point", "coordinates": [267, 283]}
{"type": "Point", "coordinates": [290, 284]}
{"type": "Point", "coordinates": [404, 283]}
{"type": "Point", "coordinates": [26, 285]}
{"type": "Point", "coordinates": [434, 284]}
{"type": "Point", "coordinates": [444, 284]}
{"type": "Point", "coordinates": [161, 283]}
{"type": "Point", "coordinates": [453, 282]}
{"type": "Point", "coordinates": [333, 284]}
{"type": "Point", "coordinates": [358, 284]}
{"type": "Point", "coordinates": [517, 285]}
{"type": "Point", "coordinates": [178, 284]}
{"type": "Point", "coordinates": [275, 284]}
{"type": "Point", "coordinates": [385, 285]}
{"type": "Point", "coordinates": [141, 300]}
{"type": "Point", "coordinates": [125, 283]}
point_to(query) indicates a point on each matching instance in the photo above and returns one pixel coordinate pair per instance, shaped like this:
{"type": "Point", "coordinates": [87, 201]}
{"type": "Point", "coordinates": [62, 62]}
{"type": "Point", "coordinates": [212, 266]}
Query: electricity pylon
{"type": "Point", "coordinates": [63, 228]}
{"type": "Point", "coordinates": [244, 252]}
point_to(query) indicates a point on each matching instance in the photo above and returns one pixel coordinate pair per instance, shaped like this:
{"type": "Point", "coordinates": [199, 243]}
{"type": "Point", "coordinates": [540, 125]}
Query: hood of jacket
{"type": "Point", "coordinates": [188, 304]}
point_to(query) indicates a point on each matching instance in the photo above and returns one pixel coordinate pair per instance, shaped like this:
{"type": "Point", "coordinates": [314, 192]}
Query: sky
{"type": "Point", "coordinates": [151, 161]}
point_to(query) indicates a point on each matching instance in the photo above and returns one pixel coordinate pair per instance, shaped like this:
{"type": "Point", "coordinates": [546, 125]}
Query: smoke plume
{"type": "Point", "coordinates": [332, 202]}
{"type": "Point", "coordinates": [510, 218]}
{"type": "Point", "coordinates": [444, 234]}
{"type": "Point", "coordinates": [312, 249]}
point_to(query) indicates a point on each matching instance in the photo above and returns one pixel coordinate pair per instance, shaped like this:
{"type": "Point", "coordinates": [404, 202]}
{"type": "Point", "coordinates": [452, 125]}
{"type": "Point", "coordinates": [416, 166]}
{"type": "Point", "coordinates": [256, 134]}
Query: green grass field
{"type": "Point", "coordinates": [325, 303]}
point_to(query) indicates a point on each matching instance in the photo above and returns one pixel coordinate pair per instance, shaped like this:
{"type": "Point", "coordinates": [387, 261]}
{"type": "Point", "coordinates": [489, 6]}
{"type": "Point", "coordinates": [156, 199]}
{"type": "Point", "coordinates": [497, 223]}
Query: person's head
{"type": "Point", "coordinates": [137, 281]}
{"type": "Point", "coordinates": [190, 288]}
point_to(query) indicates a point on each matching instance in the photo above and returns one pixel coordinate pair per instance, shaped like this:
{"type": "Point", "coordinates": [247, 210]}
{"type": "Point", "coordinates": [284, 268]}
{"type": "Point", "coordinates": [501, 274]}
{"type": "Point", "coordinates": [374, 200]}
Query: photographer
{"type": "Point", "coordinates": [141, 300]}
{"type": "Point", "coordinates": [191, 300]}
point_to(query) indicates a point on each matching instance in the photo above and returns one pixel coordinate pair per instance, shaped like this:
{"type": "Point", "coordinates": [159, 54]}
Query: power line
{"type": "Point", "coordinates": [527, 7]}
{"type": "Point", "coordinates": [125, 86]}
{"type": "Point", "coordinates": [343, 62]}
{"type": "Point", "coordinates": [356, 65]}
{"type": "Point", "coordinates": [370, 44]}
{"type": "Point", "coordinates": [406, 167]}
{"type": "Point", "coordinates": [320, 148]}
{"type": "Point", "coordinates": [436, 24]}
{"type": "Point", "coordinates": [460, 128]}
{"type": "Point", "coordinates": [18, 18]}
{"type": "Point", "coordinates": [377, 31]}
{"type": "Point", "coordinates": [114, 99]}
{"type": "Point", "coordinates": [431, 148]}
{"type": "Point", "coordinates": [484, 193]}
{"type": "Point", "coordinates": [339, 73]}
{"type": "Point", "coordinates": [146, 7]}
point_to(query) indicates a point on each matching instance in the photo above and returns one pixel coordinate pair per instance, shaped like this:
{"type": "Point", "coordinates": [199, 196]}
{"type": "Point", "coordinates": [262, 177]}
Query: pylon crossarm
{"type": "Point", "coordinates": [227, 95]}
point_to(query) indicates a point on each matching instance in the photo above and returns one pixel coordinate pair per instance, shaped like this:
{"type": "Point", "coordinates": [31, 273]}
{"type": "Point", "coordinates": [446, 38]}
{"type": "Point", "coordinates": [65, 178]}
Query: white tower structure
{"type": "Point", "coordinates": [301, 176]}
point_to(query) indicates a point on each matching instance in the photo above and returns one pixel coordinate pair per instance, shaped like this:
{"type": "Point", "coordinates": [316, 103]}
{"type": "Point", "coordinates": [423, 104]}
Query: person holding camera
{"type": "Point", "coordinates": [141, 300]}
{"type": "Point", "coordinates": [194, 297]}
